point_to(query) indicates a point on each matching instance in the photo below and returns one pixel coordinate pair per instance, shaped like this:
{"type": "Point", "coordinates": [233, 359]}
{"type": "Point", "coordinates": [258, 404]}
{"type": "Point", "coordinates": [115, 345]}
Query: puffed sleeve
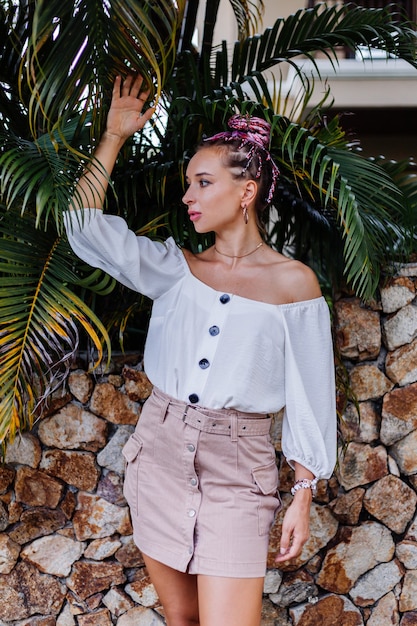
{"type": "Point", "coordinates": [105, 241]}
{"type": "Point", "coordinates": [309, 424]}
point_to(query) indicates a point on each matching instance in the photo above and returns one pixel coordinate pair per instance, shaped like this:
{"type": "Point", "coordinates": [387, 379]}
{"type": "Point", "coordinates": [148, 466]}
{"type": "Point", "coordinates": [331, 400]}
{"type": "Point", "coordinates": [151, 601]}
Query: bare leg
{"type": "Point", "coordinates": [177, 592]}
{"type": "Point", "coordinates": [230, 601]}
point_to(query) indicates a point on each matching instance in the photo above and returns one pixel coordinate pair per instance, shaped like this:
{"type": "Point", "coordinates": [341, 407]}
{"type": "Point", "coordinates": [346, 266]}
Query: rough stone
{"type": "Point", "coordinates": [37, 523]}
{"type": "Point", "coordinates": [348, 506]}
{"type": "Point", "coordinates": [74, 468]}
{"type": "Point", "coordinates": [140, 616]}
{"type": "Point", "coordinates": [67, 504]}
{"type": "Point", "coordinates": [9, 553]}
{"type": "Point", "coordinates": [35, 488]}
{"type": "Point", "coordinates": [409, 619]}
{"type": "Point", "coordinates": [295, 588]}
{"type": "Point", "coordinates": [4, 517]}
{"type": "Point", "coordinates": [96, 518]}
{"type": "Point", "coordinates": [6, 478]}
{"type": "Point", "coordinates": [399, 414]}
{"type": "Point", "coordinates": [53, 554]}
{"type": "Point", "coordinates": [37, 620]}
{"type": "Point", "coordinates": [397, 293]}
{"type": "Point", "coordinates": [129, 554]}
{"type": "Point", "coordinates": [272, 581]}
{"type": "Point", "coordinates": [110, 487]}
{"type": "Point", "coordinates": [362, 426]}
{"type": "Point", "coordinates": [100, 549]}
{"type": "Point", "coordinates": [25, 592]}
{"type": "Point", "coordinates": [408, 597]}
{"type": "Point", "coordinates": [401, 328]}
{"type": "Point", "coordinates": [97, 618]}
{"type": "Point", "coordinates": [117, 601]}
{"type": "Point", "coordinates": [81, 385]}
{"type": "Point", "coordinates": [111, 456]}
{"type": "Point", "coordinates": [361, 464]}
{"type": "Point", "coordinates": [56, 401]}
{"type": "Point", "coordinates": [358, 330]}
{"type": "Point", "coordinates": [393, 467]}
{"type": "Point", "coordinates": [142, 591]}
{"type": "Point", "coordinates": [25, 450]}
{"type": "Point", "coordinates": [273, 616]}
{"type": "Point", "coordinates": [113, 405]}
{"type": "Point", "coordinates": [323, 527]}
{"type": "Point", "coordinates": [401, 364]}
{"type": "Point", "coordinates": [357, 551]}
{"type": "Point", "coordinates": [276, 430]}
{"type": "Point", "coordinates": [375, 584]}
{"type": "Point", "coordinates": [392, 502]}
{"type": "Point", "coordinates": [73, 428]}
{"type": "Point", "coordinates": [330, 610]}
{"type": "Point", "coordinates": [286, 476]}
{"type": "Point", "coordinates": [385, 612]}
{"type": "Point", "coordinates": [137, 385]}
{"type": "Point", "coordinates": [406, 552]}
{"type": "Point", "coordinates": [89, 577]}
{"type": "Point", "coordinates": [314, 564]}
{"type": "Point", "coordinates": [369, 383]}
{"type": "Point", "coordinates": [116, 380]}
{"type": "Point", "coordinates": [411, 534]}
{"type": "Point", "coordinates": [404, 453]}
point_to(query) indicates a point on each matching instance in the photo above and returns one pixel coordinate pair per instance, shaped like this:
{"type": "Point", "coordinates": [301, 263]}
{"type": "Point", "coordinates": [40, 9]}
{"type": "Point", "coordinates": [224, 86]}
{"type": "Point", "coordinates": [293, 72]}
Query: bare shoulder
{"type": "Point", "coordinates": [295, 279]}
{"type": "Point", "coordinates": [272, 277]}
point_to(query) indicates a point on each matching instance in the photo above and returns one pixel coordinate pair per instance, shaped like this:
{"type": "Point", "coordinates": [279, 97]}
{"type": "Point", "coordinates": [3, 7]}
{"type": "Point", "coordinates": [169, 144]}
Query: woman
{"type": "Point", "coordinates": [237, 332]}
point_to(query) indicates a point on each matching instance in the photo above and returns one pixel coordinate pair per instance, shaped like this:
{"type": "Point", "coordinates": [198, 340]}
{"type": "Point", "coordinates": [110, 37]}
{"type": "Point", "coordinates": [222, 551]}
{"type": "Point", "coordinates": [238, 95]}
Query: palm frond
{"type": "Point", "coordinates": [248, 15]}
{"type": "Point", "coordinates": [365, 199]}
{"type": "Point", "coordinates": [39, 319]}
{"type": "Point", "coordinates": [77, 39]}
{"type": "Point", "coordinates": [323, 29]}
{"type": "Point", "coordinates": [40, 172]}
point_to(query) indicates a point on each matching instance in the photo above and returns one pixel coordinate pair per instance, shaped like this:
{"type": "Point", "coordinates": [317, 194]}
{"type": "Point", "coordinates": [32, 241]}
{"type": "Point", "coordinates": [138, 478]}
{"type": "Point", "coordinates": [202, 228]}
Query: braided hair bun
{"type": "Point", "coordinates": [256, 129]}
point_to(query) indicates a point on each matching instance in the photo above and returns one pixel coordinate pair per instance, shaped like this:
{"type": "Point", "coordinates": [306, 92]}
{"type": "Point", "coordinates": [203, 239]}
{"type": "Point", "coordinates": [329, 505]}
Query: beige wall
{"type": "Point", "coordinates": [280, 8]}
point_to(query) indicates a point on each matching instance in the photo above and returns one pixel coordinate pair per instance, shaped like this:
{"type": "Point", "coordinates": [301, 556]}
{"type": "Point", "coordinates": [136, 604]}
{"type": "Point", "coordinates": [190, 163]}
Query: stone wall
{"type": "Point", "coordinates": [66, 552]}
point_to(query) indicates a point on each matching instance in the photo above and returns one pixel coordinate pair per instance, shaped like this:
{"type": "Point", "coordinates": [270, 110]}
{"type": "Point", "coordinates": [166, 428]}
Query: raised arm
{"type": "Point", "coordinates": [124, 118]}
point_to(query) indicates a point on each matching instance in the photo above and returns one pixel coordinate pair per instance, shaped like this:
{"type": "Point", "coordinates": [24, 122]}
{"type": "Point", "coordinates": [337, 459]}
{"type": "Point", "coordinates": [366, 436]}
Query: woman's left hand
{"type": "Point", "coordinates": [295, 527]}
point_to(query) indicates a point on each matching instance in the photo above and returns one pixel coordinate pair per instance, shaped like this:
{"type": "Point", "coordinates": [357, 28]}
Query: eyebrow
{"type": "Point", "coordinates": [200, 174]}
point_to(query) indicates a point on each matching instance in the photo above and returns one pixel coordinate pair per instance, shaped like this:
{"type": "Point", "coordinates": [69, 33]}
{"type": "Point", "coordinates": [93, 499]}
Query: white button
{"type": "Point", "coordinates": [191, 513]}
{"type": "Point", "coordinates": [190, 447]}
{"type": "Point", "coordinates": [193, 482]}
{"type": "Point", "coordinates": [190, 550]}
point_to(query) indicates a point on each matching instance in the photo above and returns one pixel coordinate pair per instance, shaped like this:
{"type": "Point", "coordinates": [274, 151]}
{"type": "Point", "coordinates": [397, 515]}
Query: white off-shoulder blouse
{"type": "Point", "coordinates": [220, 350]}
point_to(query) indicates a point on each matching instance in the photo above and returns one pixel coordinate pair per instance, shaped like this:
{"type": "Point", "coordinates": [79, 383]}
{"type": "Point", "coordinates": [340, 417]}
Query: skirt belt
{"type": "Point", "coordinates": [219, 421]}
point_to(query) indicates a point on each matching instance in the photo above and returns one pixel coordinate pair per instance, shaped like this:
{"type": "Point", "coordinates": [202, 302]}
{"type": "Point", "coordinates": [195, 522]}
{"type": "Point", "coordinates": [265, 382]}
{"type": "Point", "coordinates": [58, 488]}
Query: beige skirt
{"type": "Point", "coordinates": [202, 487]}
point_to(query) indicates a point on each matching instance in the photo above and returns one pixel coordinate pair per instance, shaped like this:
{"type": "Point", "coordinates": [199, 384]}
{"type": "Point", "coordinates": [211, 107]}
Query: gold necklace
{"type": "Point", "coordinates": [239, 256]}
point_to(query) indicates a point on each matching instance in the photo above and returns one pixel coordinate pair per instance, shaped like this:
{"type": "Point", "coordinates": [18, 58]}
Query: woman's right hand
{"type": "Point", "coordinates": [125, 115]}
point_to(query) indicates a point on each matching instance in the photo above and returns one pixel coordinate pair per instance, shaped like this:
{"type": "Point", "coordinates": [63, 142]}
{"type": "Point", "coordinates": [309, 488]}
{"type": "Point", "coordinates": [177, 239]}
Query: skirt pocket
{"type": "Point", "coordinates": [266, 480]}
{"type": "Point", "coordinates": [132, 452]}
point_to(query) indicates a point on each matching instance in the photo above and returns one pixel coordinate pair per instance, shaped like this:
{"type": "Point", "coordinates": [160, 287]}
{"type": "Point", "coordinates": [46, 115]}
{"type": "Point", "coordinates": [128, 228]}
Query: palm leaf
{"type": "Point", "coordinates": [39, 319]}
{"type": "Point", "coordinates": [356, 190]}
{"type": "Point", "coordinates": [309, 31]}
{"type": "Point", "coordinates": [77, 39]}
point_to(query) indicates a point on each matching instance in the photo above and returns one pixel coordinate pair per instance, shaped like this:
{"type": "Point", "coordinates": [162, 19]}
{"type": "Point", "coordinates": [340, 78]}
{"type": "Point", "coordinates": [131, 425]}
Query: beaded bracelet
{"type": "Point", "coordinates": [305, 483]}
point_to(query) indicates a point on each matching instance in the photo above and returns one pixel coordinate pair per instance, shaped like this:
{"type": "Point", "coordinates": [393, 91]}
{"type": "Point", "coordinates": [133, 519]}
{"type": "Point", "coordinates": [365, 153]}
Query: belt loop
{"type": "Point", "coordinates": [184, 415]}
{"type": "Point", "coordinates": [233, 429]}
{"type": "Point", "coordinates": [164, 409]}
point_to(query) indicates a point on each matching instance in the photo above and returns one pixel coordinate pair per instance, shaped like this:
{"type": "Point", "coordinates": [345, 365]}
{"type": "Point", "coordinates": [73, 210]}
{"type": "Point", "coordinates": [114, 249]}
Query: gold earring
{"type": "Point", "coordinates": [245, 213]}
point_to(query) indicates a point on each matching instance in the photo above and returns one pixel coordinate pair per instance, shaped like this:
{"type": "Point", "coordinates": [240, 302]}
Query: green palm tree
{"type": "Point", "coordinates": [58, 63]}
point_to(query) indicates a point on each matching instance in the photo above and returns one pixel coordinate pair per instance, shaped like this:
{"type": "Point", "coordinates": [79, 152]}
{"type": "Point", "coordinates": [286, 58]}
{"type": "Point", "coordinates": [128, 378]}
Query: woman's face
{"type": "Point", "coordinates": [213, 196]}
